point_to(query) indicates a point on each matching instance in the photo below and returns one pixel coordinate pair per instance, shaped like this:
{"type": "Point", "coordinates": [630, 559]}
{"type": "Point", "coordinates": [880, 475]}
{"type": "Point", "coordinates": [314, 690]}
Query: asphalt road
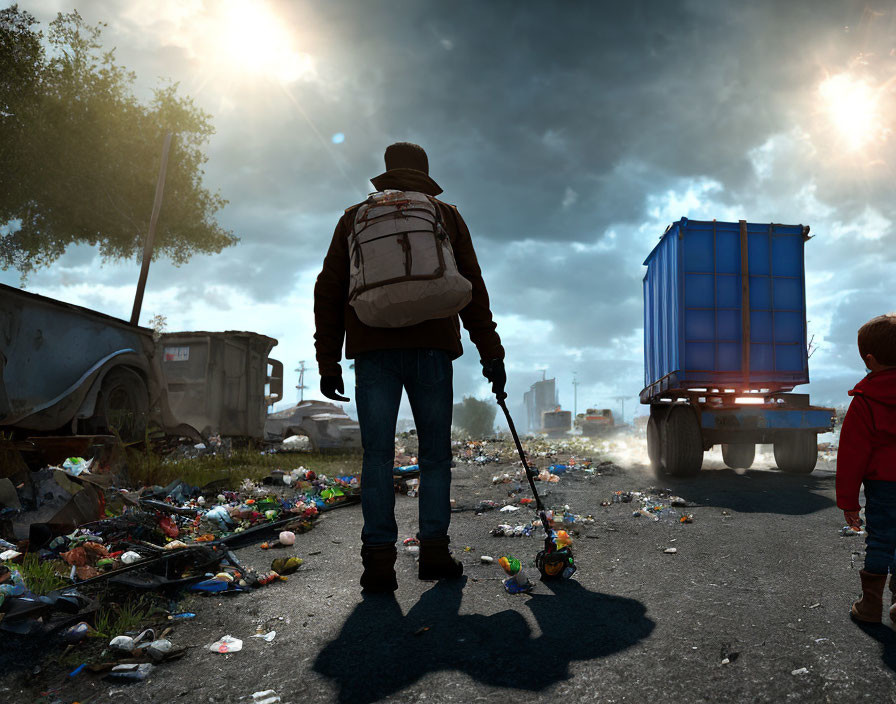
{"type": "Point", "coordinates": [760, 578]}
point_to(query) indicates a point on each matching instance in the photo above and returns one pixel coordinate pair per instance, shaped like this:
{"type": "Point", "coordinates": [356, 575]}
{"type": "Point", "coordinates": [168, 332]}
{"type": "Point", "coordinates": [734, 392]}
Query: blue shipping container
{"type": "Point", "coordinates": [697, 331]}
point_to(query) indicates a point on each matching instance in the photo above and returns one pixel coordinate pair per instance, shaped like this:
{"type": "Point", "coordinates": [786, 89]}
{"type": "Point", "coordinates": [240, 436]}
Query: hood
{"type": "Point", "coordinates": [406, 180]}
{"type": "Point", "coordinates": [878, 386]}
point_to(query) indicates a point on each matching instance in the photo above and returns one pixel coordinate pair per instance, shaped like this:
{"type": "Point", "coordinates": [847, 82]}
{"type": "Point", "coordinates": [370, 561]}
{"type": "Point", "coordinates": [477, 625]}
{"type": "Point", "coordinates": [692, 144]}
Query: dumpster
{"type": "Point", "coordinates": [216, 380]}
{"type": "Point", "coordinates": [725, 343]}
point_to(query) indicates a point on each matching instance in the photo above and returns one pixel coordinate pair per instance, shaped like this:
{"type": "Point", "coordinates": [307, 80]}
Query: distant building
{"type": "Point", "coordinates": [538, 399]}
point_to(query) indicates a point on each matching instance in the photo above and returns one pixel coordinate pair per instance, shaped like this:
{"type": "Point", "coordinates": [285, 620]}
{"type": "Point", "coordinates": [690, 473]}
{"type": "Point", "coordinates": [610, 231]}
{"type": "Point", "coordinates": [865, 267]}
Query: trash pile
{"type": "Point", "coordinates": [82, 534]}
{"type": "Point", "coordinates": [656, 504]}
{"type": "Point", "coordinates": [474, 452]}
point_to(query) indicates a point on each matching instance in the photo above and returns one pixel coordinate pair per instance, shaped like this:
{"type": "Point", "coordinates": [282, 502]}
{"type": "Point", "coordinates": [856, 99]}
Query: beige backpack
{"type": "Point", "coordinates": [402, 266]}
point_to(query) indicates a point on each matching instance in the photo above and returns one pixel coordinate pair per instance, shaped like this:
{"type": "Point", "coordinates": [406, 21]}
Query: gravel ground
{"type": "Point", "coordinates": [761, 579]}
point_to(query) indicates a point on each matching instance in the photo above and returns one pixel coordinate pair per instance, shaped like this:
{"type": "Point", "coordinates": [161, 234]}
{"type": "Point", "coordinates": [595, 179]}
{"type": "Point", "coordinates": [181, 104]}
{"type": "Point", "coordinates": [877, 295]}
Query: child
{"type": "Point", "coordinates": [867, 455]}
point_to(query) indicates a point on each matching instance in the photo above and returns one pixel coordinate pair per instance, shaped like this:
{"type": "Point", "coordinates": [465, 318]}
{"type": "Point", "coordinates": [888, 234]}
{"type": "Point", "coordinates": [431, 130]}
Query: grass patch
{"type": "Point", "coordinates": [145, 468]}
{"type": "Point", "coordinates": [40, 577]}
{"type": "Point", "coordinates": [117, 619]}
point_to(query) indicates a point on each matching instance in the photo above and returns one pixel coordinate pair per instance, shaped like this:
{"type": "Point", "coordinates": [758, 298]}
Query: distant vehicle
{"type": "Point", "coordinates": [556, 422]}
{"type": "Point", "coordinates": [325, 424]}
{"type": "Point", "coordinates": [724, 343]}
{"type": "Point", "coordinates": [595, 421]}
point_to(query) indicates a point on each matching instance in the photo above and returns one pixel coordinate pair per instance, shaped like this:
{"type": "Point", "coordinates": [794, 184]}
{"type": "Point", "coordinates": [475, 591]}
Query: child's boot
{"type": "Point", "coordinates": [870, 607]}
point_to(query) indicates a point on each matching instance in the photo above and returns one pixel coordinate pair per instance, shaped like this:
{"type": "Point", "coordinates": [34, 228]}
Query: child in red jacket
{"type": "Point", "coordinates": [867, 455]}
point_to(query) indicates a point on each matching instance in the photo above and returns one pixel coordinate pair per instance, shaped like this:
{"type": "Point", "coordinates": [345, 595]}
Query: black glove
{"type": "Point", "coordinates": [332, 387]}
{"type": "Point", "coordinates": [494, 371]}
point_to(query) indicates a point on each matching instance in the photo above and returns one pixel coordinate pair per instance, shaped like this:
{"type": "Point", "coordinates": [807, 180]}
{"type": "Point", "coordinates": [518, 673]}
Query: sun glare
{"type": "Point", "coordinates": [852, 108]}
{"type": "Point", "coordinates": [230, 40]}
{"type": "Point", "coordinates": [255, 40]}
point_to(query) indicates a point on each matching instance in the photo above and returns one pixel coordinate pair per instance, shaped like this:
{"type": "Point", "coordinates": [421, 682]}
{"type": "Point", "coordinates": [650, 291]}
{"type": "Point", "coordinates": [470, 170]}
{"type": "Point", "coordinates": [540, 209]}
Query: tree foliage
{"type": "Point", "coordinates": [475, 417]}
{"type": "Point", "coordinates": [79, 153]}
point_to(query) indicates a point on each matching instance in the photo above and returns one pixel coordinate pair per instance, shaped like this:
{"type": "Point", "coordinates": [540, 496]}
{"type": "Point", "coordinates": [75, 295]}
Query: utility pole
{"type": "Point", "coordinates": [151, 234]}
{"type": "Point", "coordinates": [575, 395]}
{"type": "Point", "coordinates": [301, 385]}
{"type": "Point", "coordinates": [622, 400]}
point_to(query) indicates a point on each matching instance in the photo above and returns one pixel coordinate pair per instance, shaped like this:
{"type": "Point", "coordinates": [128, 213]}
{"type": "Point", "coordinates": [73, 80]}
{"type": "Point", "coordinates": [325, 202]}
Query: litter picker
{"type": "Point", "coordinates": [555, 561]}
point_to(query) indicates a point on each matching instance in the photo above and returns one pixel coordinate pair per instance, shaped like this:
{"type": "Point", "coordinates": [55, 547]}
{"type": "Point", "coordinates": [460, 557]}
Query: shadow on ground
{"type": "Point", "coordinates": [380, 651]}
{"type": "Point", "coordinates": [756, 491]}
{"type": "Point", "coordinates": [884, 635]}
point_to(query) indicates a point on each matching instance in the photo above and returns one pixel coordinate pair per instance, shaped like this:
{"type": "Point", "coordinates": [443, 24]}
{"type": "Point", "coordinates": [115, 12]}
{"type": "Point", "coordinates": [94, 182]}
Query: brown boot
{"type": "Point", "coordinates": [870, 607]}
{"type": "Point", "coordinates": [436, 561]}
{"type": "Point", "coordinates": [379, 568]}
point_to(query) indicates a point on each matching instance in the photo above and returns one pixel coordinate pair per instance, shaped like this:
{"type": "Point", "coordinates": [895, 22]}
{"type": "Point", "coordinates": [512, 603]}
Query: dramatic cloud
{"type": "Point", "coordinates": [569, 134]}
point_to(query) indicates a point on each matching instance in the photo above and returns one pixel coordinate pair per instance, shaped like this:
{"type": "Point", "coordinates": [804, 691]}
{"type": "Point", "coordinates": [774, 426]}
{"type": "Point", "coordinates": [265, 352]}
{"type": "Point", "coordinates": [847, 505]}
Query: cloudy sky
{"type": "Point", "coordinates": [569, 134]}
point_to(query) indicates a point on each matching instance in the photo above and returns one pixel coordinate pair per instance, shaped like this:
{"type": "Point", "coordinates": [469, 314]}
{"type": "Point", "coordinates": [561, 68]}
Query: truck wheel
{"type": "Point", "coordinates": [796, 453]}
{"type": "Point", "coordinates": [681, 443]}
{"type": "Point", "coordinates": [738, 456]}
{"type": "Point", "coordinates": [123, 405]}
{"type": "Point", "coordinates": [654, 445]}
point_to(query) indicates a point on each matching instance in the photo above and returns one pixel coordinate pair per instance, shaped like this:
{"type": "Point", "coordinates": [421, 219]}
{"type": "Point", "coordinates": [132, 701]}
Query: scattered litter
{"type": "Point", "coordinates": [130, 672]}
{"type": "Point", "coordinates": [227, 644]}
{"type": "Point", "coordinates": [486, 559]}
{"type": "Point", "coordinates": [670, 551]}
{"type": "Point", "coordinates": [76, 466]}
{"type": "Point", "coordinates": [267, 637]}
{"type": "Point", "coordinates": [508, 531]}
{"type": "Point", "coordinates": [268, 696]}
{"type": "Point", "coordinates": [800, 671]}
{"type": "Point", "coordinates": [849, 531]}
{"type": "Point", "coordinates": [509, 508]}
{"type": "Point", "coordinates": [517, 582]}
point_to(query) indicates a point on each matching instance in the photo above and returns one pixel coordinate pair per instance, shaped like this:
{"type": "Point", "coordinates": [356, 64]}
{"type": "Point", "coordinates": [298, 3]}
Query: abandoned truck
{"type": "Point", "coordinates": [70, 370]}
{"type": "Point", "coordinates": [67, 370]}
{"type": "Point", "coordinates": [724, 343]}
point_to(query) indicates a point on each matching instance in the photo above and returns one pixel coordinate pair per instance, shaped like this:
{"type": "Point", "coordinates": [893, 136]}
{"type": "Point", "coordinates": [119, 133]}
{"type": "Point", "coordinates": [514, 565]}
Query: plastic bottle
{"type": "Point", "coordinates": [517, 581]}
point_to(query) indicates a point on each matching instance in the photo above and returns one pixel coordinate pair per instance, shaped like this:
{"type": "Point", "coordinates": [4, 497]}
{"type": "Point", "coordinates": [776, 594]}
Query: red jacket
{"type": "Point", "coordinates": [868, 437]}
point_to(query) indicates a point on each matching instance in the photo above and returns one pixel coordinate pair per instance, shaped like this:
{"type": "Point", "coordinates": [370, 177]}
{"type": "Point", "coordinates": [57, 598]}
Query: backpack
{"type": "Point", "coordinates": [402, 268]}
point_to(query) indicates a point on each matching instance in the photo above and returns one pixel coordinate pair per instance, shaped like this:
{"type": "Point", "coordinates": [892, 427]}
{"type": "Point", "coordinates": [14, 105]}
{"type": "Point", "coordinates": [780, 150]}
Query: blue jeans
{"type": "Point", "coordinates": [379, 378]}
{"type": "Point", "coordinates": [880, 523]}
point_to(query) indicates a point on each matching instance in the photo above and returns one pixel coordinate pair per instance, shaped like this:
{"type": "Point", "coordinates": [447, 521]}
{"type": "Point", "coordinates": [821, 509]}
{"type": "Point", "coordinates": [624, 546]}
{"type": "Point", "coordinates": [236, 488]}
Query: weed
{"type": "Point", "coordinates": [40, 577]}
{"type": "Point", "coordinates": [114, 619]}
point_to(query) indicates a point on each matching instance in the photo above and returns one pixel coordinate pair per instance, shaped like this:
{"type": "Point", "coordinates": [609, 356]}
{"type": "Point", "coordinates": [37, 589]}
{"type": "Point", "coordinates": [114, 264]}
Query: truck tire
{"type": "Point", "coordinates": [122, 406]}
{"type": "Point", "coordinates": [796, 453]}
{"type": "Point", "coordinates": [654, 445]}
{"type": "Point", "coordinates": [681, 443]}
{"type": "Point", "coordinates": [739, 455]}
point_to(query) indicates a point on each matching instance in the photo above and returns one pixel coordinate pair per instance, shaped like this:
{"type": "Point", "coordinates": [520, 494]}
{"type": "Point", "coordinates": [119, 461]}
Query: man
{"type": "Point", "coordinates": [417, 358]}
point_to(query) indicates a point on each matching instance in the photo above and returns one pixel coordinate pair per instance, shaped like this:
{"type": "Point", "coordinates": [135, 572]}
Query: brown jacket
{"type": "Point", "coordinates": [335, 319]}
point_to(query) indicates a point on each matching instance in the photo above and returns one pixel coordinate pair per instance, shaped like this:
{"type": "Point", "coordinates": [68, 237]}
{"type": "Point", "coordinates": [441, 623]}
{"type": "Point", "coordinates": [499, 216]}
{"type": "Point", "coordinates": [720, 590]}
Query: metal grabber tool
{"type": "Point", "coordinates": [556, 560]}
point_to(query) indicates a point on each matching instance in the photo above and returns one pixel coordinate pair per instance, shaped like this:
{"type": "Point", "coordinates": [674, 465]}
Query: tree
{"type": "Point", "coordinates": [79, 154]}
{"type": "Point", "coordinates": [475, 417]}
